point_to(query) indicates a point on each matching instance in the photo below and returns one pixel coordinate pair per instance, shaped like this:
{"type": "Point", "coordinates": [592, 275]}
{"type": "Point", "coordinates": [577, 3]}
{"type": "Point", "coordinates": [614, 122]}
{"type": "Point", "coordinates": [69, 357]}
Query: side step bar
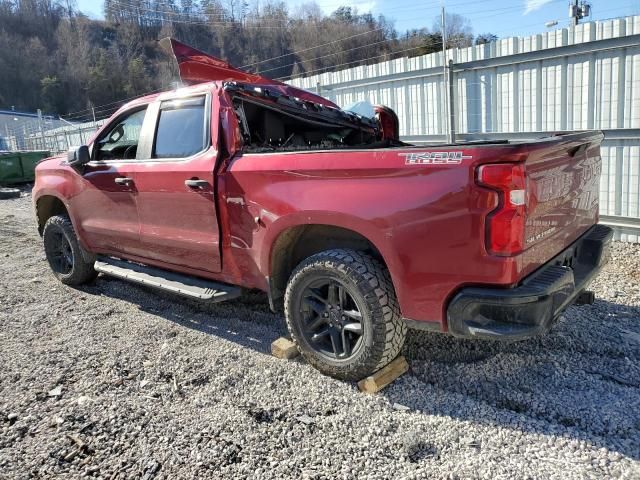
{"type": "Point", "coordinates": [192, 287]}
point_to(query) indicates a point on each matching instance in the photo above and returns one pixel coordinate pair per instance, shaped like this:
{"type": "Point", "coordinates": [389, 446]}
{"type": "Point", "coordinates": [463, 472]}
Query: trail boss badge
{"type": "Point", "coordinates": [434, 158]}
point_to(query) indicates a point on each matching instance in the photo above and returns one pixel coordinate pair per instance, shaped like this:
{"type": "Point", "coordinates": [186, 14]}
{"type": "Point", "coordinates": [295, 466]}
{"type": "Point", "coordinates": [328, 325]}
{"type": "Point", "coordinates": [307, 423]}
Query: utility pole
{"type": "Point", "coordinates": [41, 129]}
{"type": "Point", "coordinates": [573, 12]}
{"type": "Point", "coordinates": [444, 73]}
{"type": "Point", "coordinates": [452, 111]}
{"type": "Point", "coordinates": [447, 84]}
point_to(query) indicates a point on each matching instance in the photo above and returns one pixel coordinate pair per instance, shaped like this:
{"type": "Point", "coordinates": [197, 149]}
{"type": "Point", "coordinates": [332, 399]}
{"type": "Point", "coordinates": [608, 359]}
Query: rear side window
{"type": "Point", "coordinates": [181, 128]}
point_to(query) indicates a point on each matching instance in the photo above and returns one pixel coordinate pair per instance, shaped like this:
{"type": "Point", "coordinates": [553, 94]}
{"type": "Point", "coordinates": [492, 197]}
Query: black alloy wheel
{"type": "Point", "coordinates": [70, 263]}
{"type": "Point", "coordinates": [332, 319]}
{"type": "Point", "coordinates": [59, 253]}
{"type": "Point", "coordinates": [342, 313]}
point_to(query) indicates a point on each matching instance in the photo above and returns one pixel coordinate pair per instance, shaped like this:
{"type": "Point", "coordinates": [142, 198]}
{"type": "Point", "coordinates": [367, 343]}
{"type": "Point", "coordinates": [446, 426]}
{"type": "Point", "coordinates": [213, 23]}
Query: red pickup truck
{"type": "Point", "coordinates": [238, 181]}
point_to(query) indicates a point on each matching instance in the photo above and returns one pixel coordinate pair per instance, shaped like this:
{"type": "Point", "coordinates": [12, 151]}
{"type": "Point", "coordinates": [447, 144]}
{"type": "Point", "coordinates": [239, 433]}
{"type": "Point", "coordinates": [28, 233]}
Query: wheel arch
{"type": "Point", "coordinates": [297, 242]}
{"type": "Point", "coordinates": [46, 207]}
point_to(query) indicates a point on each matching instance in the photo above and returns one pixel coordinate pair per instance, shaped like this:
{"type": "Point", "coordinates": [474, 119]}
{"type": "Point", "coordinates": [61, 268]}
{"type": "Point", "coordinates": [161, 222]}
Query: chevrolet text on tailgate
{"type": "Point", "coordinates": [241, 181]}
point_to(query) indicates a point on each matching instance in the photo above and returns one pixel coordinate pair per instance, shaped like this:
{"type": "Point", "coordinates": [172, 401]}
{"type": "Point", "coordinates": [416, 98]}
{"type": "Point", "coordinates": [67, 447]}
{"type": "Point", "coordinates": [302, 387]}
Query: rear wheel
{"type": "Point", "coordinates": [69, 263]}
{"type": "Point", "coordinates": [342, 313]}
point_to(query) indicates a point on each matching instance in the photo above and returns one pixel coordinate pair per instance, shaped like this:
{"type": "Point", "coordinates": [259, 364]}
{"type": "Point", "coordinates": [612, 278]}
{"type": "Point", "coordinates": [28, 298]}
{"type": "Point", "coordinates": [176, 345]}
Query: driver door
{"type": "Point", "coordinates": [106, 209]}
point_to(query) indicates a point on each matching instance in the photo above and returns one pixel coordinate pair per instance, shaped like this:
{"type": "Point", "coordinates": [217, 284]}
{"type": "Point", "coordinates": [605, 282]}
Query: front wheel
{"type": "Point", "coordinates": [65, 255]}
{"type": "Point", "coordinates": [343, 315]}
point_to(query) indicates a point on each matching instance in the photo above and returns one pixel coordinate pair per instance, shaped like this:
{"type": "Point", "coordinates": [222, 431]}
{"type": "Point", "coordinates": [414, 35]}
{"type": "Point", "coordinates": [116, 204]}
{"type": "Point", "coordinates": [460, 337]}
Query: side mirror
{"type": "Point", "coordinates": [78, 156]}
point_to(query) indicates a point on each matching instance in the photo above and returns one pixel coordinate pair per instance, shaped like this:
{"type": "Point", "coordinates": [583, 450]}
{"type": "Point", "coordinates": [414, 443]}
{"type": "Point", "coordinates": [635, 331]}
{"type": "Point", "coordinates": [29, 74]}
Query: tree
{"type": "Point", "coordinates": [485, 38]}
{"type": "Point", "coordinates": [458, 30]}
{"type": "Point", "coordinates": [52, 94]}
{"type": "Point", "coordinates": [60, 60]}
{"type": "Point", "coordinates": [138, 81]}
{"type": "Point", "coordinates": [344, 14]}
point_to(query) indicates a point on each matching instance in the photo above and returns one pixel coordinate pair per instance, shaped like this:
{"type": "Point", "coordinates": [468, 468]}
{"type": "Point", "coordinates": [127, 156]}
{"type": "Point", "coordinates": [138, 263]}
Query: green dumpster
{"type": "Point", "coordinates": [19, 167]}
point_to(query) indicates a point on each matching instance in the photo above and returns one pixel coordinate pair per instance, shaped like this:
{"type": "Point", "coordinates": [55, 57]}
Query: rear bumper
{"type": "Point", "coordinates": [533, 306]}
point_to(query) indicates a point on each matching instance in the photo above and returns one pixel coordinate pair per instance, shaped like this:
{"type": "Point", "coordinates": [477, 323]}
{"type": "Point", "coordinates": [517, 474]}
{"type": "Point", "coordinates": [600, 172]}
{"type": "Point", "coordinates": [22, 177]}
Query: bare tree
{"type": "Point", "coordinates": [458, 30]}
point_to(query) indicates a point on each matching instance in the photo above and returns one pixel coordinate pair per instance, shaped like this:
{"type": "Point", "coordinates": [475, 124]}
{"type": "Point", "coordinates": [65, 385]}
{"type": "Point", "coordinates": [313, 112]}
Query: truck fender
{"type": "Point", "coordinates": [373, 233]}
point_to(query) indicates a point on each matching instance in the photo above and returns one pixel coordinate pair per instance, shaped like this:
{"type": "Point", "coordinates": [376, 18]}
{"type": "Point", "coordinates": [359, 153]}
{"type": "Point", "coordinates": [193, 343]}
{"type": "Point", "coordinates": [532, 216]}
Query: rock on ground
{"type": "Point", "coordinates": [116, 381]}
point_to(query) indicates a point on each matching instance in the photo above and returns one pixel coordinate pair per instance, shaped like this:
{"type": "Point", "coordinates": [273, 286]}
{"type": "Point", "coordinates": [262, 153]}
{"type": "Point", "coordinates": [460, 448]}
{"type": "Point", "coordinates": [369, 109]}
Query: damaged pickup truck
{"type": "Point", "coordinates": [238, 181]}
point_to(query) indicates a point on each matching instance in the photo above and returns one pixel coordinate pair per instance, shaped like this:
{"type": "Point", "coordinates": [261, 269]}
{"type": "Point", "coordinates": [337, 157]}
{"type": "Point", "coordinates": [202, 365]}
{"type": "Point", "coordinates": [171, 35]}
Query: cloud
{"type": "Point", "coordinates": [533, 5]}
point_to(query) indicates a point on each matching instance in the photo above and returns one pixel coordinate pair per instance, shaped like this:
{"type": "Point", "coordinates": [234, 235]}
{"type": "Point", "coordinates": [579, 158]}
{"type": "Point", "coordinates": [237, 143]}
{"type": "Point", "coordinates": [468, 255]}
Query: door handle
{"type": "Point", "coordinates": [196, 183]}
{"type": "Point", "coordinates": [123, 180]}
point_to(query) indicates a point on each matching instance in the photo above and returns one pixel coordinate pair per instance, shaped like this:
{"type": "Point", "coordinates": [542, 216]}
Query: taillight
{"type": "Point", "coordinates": [506, 224]}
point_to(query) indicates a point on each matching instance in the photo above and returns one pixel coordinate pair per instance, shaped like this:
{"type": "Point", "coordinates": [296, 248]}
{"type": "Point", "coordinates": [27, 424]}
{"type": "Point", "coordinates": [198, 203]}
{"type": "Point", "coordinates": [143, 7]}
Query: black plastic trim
{"type": "Point", "coordinates": [536, 303]}
{"type": "Point", "coordinates": [425, 326]}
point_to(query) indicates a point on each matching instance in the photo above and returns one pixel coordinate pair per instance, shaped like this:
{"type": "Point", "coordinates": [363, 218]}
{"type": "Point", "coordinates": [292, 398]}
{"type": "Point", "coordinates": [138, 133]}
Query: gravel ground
{"type": "Point", "coordinates": [116, 381]}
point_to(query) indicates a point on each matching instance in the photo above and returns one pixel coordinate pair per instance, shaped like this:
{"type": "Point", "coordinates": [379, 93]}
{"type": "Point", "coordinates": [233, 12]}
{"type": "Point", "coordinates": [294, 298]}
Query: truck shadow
{"type": "Point", "coordinates": [247, 321]}
{"type": "Point", "coordinates": [581, 381]}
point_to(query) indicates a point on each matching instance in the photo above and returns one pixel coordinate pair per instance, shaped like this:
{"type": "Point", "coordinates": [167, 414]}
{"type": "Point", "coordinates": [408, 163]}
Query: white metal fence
{"type": "Point", "coordinates": [583, 77]}
{"type": "Point", "coordinates": [17, 129]}
{"type": "Point", "coordinates": [60, 139]}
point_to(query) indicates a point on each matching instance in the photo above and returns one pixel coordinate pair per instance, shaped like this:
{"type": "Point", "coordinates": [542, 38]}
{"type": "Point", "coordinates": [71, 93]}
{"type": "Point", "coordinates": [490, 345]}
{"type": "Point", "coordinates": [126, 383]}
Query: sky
{"type": "Point", "coordinates": [502, 17]}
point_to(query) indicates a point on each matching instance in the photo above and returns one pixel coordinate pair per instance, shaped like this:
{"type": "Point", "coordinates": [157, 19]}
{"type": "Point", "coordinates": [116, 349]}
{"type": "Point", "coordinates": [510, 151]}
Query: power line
{"type": "Point", "coordinates": [299, 51]}
{"type": "Point", "coordinates": [346, 50]}
{"type": "Point", "coordinates": [135, 9]}
{"type": "Point", "coordinates": [140, 8]}
{"type": "Point", "coordinates": [88, 110]}
{"type": "Point", "coordinates": [144, 8]}
{"type": "Point", "coordinates": [112, 103]}
{"type": "Point", "coordinates": [194, 22]}
{"type": "Point", "coordinates": [112, 106]}
{"type": "Point", "coordinates": [329, 7]}
{"type": "Point", "coordinates": [505, 9]}
{"type": "Point", "coordinates": [97, 108]}
{"type": "Point", "coordinates": [355, 61]}
{"type": "Point", "coordinates": [313, 48]}
{"type": "Point", "coordinates": [308, 73]}
{"type": "Point", "coordinates": [305, 73]}
{"type": "Point", "coordinates": [171, 8]}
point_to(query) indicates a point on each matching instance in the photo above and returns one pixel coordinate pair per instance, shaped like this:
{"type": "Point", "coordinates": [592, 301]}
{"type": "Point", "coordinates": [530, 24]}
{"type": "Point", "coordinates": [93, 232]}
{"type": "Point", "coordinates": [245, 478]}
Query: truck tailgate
{"type": "Point", "coordinates": [563, 175]}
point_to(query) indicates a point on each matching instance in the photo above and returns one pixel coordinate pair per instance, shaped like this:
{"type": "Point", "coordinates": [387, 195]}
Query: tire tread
{"type": "Point", "coordinates": [374, 281]}
{"type": "Point", "coordinates": [82, 271]}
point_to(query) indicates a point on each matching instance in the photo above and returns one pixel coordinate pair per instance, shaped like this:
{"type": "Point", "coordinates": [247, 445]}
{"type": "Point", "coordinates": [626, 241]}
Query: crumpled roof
{"type": "Point", "coordinates": [199, 67]}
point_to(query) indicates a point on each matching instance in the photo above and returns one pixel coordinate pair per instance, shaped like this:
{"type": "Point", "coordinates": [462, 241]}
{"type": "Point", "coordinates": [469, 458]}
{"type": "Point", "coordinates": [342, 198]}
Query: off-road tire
{"type": "Point", "coordinates": [381, 316]}
{"type": "Point", "coordinates": [6, 193]}
{"type": "Point", "coordinates": [82, 270]}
